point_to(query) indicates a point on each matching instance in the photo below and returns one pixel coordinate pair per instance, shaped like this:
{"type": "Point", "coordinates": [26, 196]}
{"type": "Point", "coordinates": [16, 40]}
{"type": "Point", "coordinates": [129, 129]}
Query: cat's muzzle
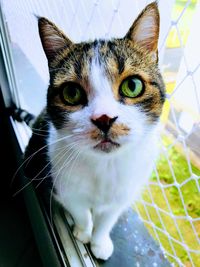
{"type": "Point", "coordinates": [107, 145]}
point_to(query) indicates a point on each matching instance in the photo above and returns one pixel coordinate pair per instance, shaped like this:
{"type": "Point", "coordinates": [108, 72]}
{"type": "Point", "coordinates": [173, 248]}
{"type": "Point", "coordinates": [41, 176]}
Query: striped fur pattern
{"type": "Point", "coordinates": [106, 130]}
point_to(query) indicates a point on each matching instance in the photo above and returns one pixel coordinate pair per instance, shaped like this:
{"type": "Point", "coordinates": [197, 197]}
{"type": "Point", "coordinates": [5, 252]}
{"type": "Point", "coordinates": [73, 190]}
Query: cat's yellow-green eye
{"type": "Point", "coordinates": [131, 87]}
{"type": "Point", "coordinates": [73, 94]}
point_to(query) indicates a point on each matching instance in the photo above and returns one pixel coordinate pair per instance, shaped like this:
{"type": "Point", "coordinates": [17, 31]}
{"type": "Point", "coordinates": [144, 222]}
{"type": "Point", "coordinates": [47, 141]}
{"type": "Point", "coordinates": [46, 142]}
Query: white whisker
{"type": "Point", "coordinates": [65, 163]}
{"type": "Point", "coordinates": [66, 149]}
{"type": "Point", "coordinates": [26, 161]}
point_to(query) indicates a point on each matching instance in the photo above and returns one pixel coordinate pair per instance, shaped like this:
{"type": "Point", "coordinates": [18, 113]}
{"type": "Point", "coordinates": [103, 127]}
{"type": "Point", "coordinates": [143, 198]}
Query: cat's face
{"type": "Point", "coordinates": [106, 94]}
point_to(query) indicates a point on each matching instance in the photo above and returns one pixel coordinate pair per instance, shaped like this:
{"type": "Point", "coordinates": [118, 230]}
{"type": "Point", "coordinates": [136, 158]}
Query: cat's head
{"type": "Point", "coordinates": [107, 93]}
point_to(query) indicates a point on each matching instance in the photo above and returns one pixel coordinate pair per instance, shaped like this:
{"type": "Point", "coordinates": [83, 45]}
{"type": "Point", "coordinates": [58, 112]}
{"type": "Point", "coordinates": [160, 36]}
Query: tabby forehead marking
{"type": "Point", "coordinates": [101, 97]}
{"type": "Point", "coordinates": [98, 79]}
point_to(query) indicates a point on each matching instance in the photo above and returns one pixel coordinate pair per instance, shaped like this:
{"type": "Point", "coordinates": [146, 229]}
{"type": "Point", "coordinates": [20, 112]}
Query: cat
{"type": "Point", "coordinates": [97, 135]}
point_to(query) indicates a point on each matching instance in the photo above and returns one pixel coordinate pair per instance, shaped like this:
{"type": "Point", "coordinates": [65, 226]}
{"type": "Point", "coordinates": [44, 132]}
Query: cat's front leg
{"type": "Point", "coordinates": [83, 223]}
{"type": "Point", "coordinates": [101, 243]}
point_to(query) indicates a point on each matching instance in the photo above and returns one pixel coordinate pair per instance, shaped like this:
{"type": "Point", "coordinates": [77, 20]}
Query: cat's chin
{"type": "Point", "coordinates": [106, 146]}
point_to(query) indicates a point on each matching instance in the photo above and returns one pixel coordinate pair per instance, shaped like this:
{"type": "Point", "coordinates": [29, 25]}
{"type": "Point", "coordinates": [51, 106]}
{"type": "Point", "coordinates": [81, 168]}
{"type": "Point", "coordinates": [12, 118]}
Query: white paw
{"type": "Point", "coordinates": [102, 250]}
{"type": "Point", "coordinates": [81, 235]}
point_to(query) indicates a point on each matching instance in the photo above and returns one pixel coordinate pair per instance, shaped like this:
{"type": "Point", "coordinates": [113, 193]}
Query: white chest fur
{"type": "Point", "coordinates": [101, 180]}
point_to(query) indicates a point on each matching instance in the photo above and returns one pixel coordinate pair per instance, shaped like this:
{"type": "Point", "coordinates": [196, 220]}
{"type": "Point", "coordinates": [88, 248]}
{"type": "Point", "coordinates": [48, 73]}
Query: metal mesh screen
{"type": "Point", "coordinates": [170, 204]}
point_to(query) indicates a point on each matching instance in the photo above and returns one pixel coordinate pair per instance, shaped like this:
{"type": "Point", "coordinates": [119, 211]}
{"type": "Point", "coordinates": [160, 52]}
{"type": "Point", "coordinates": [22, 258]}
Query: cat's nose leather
{"type": "Point", "coordinates": [104, 122]}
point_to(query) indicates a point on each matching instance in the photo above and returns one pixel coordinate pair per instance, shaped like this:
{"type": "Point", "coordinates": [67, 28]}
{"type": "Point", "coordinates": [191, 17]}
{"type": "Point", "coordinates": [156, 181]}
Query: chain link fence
{"type": "Point", "coordinates": [170, 204]}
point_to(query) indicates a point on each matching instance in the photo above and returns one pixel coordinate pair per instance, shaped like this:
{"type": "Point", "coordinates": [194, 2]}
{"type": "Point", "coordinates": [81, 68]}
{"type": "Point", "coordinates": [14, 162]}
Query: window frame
{"type": "Point", "coordinates": [51, 251]}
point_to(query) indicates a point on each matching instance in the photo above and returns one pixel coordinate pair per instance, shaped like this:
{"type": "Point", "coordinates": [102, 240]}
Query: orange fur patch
{"type": "Point", "coordinates": [117, 130]}
{"type": "Point", "coordinates": [95, 134]}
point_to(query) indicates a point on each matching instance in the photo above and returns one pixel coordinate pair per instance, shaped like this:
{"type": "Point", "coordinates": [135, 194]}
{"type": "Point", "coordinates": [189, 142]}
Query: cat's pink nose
{"type": "Point", "coordinates": [103, 122]}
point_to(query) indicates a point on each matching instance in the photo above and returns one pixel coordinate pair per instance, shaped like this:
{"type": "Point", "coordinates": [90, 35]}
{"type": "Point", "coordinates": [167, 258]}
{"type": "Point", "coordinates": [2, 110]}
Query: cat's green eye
{"type": "Point", "coordinates": [73, 94]}
{"type": "Point", "coordinates": [131, 87]}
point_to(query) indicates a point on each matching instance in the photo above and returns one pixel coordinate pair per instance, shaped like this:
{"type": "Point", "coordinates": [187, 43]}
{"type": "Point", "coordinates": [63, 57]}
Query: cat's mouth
{"type": "Point", "coordinates": [107, 145]}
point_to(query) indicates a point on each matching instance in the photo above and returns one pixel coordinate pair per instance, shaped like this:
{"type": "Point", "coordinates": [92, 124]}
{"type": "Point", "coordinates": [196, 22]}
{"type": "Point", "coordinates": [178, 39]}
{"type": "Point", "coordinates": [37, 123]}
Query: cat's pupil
{"type": "Point", "coordinates": [131, 85]}
{"type": "Point", "coordinates": [73, 92]}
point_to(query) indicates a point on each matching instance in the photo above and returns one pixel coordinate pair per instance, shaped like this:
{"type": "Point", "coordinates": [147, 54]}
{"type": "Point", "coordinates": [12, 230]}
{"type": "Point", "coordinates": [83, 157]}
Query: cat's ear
{"type": "Point", "coordinates": [145, 29]}
{"type": "Point", "coordinates": [52, 38]}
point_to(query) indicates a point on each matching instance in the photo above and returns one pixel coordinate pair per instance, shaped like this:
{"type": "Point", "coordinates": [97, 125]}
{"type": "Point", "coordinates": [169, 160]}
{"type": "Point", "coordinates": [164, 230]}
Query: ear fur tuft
{"type": "Point", "coordinates": [52, 38]}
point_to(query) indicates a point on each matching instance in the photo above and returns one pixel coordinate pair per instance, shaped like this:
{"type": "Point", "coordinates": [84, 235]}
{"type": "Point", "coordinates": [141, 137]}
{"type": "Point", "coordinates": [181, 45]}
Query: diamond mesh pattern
{"type": "Point", "coordinates": [170, 205]}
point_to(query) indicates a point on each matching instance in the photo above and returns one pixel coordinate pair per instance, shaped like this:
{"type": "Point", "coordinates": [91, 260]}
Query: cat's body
{"type": "Point", "coordinates": [104, 103]}
{"type": "Point", "coordinates": [102, 187]}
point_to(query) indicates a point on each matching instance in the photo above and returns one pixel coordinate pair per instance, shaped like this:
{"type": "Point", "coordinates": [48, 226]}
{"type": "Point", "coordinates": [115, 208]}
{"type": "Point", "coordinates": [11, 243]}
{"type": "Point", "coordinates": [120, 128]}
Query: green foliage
{"type": "Point", "coordinates": [176, 200]}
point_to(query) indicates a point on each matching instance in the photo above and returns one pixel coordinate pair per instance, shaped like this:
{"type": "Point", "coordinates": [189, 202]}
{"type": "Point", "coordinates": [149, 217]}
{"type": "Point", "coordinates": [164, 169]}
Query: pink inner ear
{"type": "Point", "coordinates": [145, 29]}
{"type": "Point", "coordinates": [147, 33]}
